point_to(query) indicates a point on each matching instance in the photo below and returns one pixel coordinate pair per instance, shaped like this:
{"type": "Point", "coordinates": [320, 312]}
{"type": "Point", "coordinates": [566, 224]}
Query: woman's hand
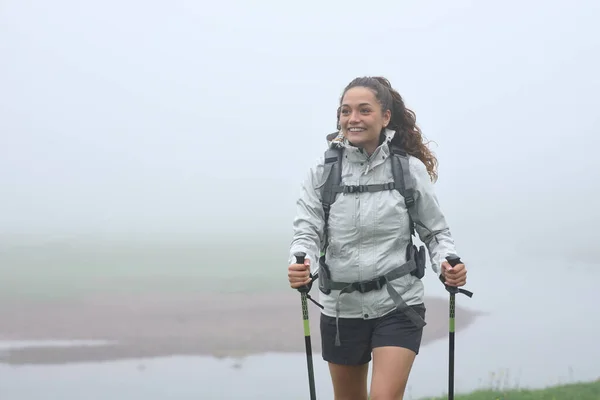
{"type": "Point", "coordinates": [454, 276]}
{"type": "Point", "coordinates": [299, 274]}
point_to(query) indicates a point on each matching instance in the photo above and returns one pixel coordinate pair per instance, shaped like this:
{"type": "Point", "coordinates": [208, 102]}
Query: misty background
{"type": "Point", "coordinates": [189, 126]}
{"type": "Point", "coordinates": [127, 119]}
{"type": "Point", "coordinates": [159, 147]}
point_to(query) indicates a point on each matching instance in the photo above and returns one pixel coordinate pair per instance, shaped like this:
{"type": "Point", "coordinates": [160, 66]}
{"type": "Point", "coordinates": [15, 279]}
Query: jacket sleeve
{"type": "Point", "coordinates": [309, 221]}
{"type": "Point", "coordinates": [436, 233]}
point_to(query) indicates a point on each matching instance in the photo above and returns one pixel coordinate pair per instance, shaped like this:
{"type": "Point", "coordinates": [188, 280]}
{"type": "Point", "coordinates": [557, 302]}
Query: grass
{"type": "Point", "coordinates": [573, 391]}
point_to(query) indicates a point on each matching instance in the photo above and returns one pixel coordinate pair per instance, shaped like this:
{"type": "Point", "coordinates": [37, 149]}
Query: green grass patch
{"type": "Point", "coordinates": [573, 391]}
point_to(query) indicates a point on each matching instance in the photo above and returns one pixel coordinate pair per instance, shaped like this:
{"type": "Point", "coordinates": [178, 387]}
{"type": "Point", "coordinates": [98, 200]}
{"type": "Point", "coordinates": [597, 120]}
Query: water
{"type": "Point", "coordinates": [540, 328]}
{"type": "Point", "coordinates": [506, 362]}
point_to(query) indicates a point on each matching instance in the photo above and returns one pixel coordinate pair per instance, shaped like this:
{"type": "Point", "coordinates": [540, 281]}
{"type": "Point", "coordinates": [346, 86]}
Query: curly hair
{"type": "Point", "coordinates": [403, 120]}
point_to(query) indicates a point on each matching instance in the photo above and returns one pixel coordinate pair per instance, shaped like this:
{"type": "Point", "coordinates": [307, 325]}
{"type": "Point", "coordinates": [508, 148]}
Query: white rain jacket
{"type": "Point", "coordinates": [368, 232]}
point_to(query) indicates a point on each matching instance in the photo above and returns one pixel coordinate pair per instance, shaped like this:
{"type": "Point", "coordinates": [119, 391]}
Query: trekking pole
{"type": "Point", "coordinates": [453, 290]}
{"type": "Point", "coordinates": [309, 361]}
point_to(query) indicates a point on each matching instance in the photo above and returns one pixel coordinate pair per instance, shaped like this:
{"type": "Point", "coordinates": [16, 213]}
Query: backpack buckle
{"type": "Point", "coordinates": [354, 189]}
{"type": "Point", "coordinates": [367, 286]}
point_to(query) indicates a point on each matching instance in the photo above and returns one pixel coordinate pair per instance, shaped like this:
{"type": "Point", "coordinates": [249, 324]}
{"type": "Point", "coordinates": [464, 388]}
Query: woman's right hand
{"type": "Point", "coordinates": [299, 274]}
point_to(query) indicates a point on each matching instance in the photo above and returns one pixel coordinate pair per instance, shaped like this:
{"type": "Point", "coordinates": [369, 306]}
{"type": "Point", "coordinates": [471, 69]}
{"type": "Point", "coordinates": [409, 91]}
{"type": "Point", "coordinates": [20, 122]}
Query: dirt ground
{"type": "Point", "coordinates": [158, 325]}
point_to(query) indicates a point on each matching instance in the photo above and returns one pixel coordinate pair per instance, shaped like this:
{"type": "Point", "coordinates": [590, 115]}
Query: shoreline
{"type": "Point", "coordinates": [162, 324]}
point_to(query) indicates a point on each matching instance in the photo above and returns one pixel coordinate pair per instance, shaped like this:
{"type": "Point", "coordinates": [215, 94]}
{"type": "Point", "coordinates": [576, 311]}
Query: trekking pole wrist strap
{"type": "Point", "coordinates": [454, 289]}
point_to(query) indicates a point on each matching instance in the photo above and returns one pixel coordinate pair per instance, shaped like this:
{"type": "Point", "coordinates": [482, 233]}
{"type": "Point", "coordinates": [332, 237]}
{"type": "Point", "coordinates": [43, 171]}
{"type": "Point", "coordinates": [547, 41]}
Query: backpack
{"type": "Point", "coordinates": [403, 183]}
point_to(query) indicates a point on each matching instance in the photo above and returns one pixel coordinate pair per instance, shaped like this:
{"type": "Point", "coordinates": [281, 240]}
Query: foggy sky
{"type": "Point", "coordinates": [174, 117]}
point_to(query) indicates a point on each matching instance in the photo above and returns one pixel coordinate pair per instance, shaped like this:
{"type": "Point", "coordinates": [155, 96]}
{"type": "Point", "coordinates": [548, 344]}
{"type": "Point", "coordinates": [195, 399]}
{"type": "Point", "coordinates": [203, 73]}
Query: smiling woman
{"type": "Point", "coordinates": [362, 241]}
{"type": "Point", "coordinates": [362, 118]}
{"type": "Point", "coordinates": [380, 105]}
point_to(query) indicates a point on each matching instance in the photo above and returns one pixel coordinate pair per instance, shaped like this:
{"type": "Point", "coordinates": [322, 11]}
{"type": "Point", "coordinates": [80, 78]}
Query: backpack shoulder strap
{"type": "Point", "coordinates": [401, 171]}
{"type": "Point", "coordinates": [333, 174]}
{"type": "Point", "coordinates": [330, 189]}
{"type": "Point", "coordinates": [403, 182]}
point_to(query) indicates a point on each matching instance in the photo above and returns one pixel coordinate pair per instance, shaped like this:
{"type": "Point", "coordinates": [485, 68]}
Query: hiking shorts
{"type": "Point", "coordinates": [360, 336]}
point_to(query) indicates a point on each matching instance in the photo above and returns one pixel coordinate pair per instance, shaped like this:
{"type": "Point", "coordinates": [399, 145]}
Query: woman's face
{"type": "Point", "coordinates": [361, 118]}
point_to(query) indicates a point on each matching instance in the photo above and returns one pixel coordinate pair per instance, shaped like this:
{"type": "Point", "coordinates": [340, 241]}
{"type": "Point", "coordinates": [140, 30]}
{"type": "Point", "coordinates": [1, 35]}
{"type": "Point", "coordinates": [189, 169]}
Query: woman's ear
{"type": "Point", "coordinates": [387, 115]}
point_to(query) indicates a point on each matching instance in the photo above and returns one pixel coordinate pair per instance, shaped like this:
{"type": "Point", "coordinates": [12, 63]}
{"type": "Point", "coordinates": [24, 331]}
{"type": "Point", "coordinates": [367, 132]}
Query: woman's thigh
{"type": "Point", "coordinates": [396, 342]}
{"type": "Point", "coordinates": [349, 381]}
{"type": "Point", "coordinates": [391, 368]}
{"type": "Point", "coordinates": [348, 362]}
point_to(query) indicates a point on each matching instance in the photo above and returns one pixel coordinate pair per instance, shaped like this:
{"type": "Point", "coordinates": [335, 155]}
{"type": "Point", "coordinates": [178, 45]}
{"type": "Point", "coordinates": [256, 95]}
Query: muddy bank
{"type": "Point", "coordinates": [157, 325]}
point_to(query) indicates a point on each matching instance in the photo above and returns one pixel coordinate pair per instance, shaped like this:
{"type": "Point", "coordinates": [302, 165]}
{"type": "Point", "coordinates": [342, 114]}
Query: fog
{"type": "Point", "coordinates": [153, 151]}
{"type": "Point", "coordinates": [167, 119]}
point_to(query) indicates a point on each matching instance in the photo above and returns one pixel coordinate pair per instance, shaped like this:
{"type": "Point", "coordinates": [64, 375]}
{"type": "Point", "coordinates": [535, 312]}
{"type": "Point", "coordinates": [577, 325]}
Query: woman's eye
{"type": "Point", "coordinates": [363, 111]}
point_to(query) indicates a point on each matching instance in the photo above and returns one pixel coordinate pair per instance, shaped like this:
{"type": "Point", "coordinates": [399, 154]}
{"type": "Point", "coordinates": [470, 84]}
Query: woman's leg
{"type": "Point", "coordinates": [349, 362]}
{"type": "Point", "coordinates": [349, 381]}
{"type": "Point", "coordinates": [391, 368]}
{"type": "Point", "coordinates": [396, 342]}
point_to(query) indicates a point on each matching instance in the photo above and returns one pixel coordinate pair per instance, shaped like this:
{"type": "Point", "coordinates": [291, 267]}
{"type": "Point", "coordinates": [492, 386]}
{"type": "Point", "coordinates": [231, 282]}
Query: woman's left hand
{"type": "Point", "coordinates": [454, 276]}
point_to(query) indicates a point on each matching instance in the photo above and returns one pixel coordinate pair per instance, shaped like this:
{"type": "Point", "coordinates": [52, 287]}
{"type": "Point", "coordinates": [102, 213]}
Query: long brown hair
{"type": "Point", "coordinates": [403, 120]}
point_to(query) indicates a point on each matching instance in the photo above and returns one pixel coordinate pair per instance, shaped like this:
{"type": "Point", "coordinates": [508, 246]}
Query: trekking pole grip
{"type": "Point", "coordinates": [300, 257]}
{"type": "Point", "coordinates": [453, 260]}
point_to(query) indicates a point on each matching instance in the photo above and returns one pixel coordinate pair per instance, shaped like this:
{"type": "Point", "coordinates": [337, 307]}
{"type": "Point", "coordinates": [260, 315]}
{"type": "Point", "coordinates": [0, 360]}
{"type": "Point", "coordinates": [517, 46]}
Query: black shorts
{"type": "Point", "coordinates": [359, 337]}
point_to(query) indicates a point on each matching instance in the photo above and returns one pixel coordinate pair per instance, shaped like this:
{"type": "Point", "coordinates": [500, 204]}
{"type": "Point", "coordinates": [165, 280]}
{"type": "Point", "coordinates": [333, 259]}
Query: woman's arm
{"type": "Point", "coordinates": [309, 221]}
{"type": "Point", "coordinates": [435, 233]}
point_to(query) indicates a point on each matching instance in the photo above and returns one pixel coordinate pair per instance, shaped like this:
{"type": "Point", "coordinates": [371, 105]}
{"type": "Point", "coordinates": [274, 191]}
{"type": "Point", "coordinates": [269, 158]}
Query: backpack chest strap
{"type": "Point", "coordinates": [364, 188]}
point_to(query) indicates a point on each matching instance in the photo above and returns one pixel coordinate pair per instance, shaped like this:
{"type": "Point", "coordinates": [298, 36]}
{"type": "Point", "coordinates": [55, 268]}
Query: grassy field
{"type": "Point", "coordinates": [575, 391]}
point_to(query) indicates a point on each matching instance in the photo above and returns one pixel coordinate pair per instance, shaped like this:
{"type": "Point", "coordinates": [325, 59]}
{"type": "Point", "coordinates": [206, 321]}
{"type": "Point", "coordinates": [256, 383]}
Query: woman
{"type": "Point", "coordinates": [367, 235]}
